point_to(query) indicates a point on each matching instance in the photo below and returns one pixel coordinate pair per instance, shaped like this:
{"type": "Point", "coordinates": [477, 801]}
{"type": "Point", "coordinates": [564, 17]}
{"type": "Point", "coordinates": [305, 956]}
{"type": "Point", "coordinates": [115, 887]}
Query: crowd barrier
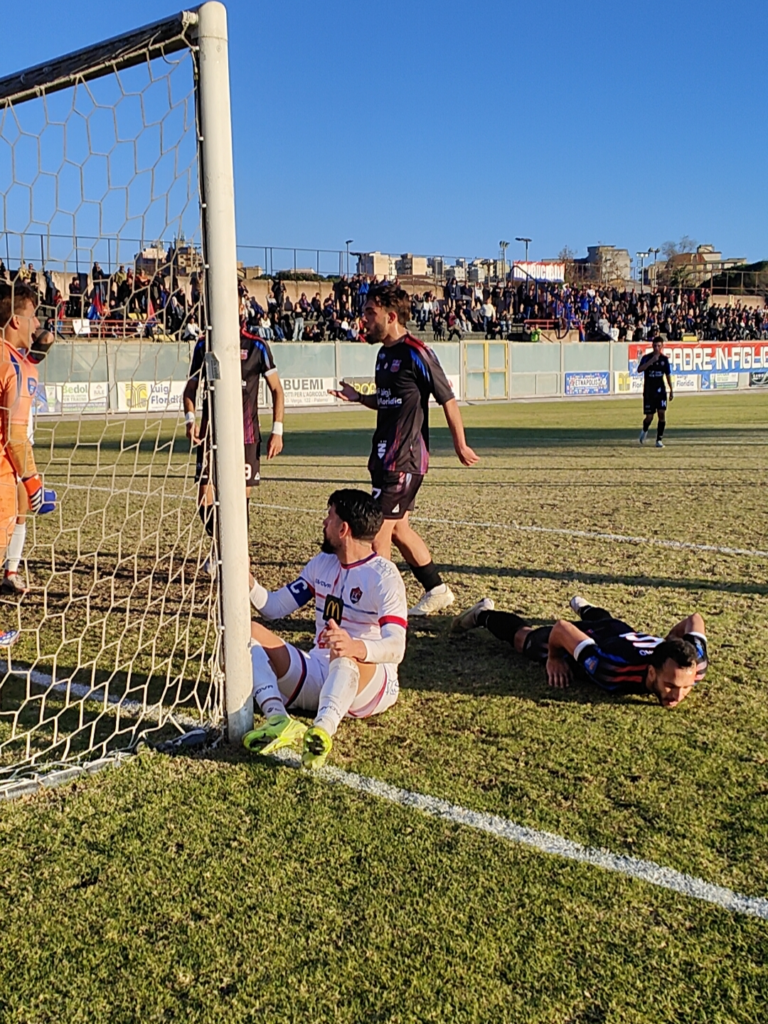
{"type": "Point", "coordinates": [143, 376]}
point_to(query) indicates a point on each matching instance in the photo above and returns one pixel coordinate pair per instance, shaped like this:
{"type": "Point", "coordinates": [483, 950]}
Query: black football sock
{"type": "Point", "coordinates": [503, 625]}
{"type": "Point", "coordinates": [427, 575]}
{"type": "Point", "coordinates": [206, 516]}
{"type": "Point", "coordinates": [660, 429]}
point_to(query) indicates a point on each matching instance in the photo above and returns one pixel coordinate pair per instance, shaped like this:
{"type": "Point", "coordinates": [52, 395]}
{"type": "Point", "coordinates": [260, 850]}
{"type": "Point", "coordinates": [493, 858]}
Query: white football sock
{"type": "Point", "coordinates": [338, 692]}
{"type": "Point", "coordinates": [265, 689]}
{"type": "Point", "coordinates": [15, 547]}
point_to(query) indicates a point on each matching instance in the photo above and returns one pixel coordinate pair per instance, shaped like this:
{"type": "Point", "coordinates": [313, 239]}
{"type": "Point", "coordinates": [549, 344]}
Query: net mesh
{"type": "Point", "coordinates": [100, 212]}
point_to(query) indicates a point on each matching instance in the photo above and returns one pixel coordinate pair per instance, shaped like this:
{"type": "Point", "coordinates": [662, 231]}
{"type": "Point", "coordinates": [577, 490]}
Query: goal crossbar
{"type": "Point", "coordinates": [124, 51]}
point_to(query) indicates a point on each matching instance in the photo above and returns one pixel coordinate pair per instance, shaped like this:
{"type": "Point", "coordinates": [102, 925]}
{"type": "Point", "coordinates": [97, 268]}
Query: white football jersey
{"type": "Point", "coordinates": [361, 597]}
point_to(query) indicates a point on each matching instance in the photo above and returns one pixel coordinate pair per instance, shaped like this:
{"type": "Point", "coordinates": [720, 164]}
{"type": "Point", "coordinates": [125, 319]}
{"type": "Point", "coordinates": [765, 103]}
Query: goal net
{"type": "Point", "coordinates": [118, 638]}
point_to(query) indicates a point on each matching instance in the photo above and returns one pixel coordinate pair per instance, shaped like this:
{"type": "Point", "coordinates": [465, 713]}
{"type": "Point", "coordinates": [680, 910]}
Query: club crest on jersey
{"type": "Point", "coordinates": [590, 664]}
{"type": "Point", "coordinates": [355, 595]}
{"type": "Point", "coordinates": [395, 365]}
{"type": "Point", "coordinates": [32, 386]}
{"type": "Point", "coordinates": [382, 449]}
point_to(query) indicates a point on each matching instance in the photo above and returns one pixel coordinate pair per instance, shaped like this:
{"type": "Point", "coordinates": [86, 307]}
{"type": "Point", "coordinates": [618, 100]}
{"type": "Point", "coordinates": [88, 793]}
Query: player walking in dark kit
{"type": "Point", "coordinates": [255, 361]}
{"type": "Point", "coordinates": [407, 373]}
{"type": "Point", "coordinates": [655, 366]}
{"type": "Point", "coordinates": [604, 650]}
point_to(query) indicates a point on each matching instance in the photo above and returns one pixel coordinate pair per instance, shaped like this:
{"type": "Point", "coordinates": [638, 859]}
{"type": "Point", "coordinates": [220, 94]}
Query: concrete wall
{"type": "Point", "coordinates": [146, 377]}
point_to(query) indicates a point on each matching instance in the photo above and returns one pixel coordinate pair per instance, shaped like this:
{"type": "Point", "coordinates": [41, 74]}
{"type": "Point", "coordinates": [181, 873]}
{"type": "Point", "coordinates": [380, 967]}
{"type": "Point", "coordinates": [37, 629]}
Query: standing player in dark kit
{"type": "Point", "coordinates": [255, 361]}
{"type": "Point", "coordinates": [407, 373]}
{"type": "Point", "coordinates": [655, 366]}
{"type": "Point", "coordinates": [604, 650]}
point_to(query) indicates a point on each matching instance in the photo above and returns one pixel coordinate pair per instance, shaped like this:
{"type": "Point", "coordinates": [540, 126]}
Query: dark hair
{"type": "Point", "coordinates": [391, 296]}
{"type": "Point", "coordinates": [359, 510]}
{"type": "Point", "coordinates": [682, 652]}
{"type": "Point", "coordinates": [12, 299]}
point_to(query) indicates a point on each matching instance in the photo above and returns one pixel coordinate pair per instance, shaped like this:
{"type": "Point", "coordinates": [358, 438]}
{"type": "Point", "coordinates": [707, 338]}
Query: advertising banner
{"type": "Point", "coordinates": [597, 382]}
{"type": "Point", "coordinates": [367, 385]}
{"type": "Point", "coordinates": [300, 391]}
{"type": "Point", "coordinates": [707, 356]}
{"type": "Point", "coordinates": [149, 395]}
{"type": "Point", "coordinates": [759, 379]}
{"type": "Point", "coordinates": [719, 381]}
{"type": "Point", "coordinates": [626, 383]}
{"type": "Point", "coordinates": [83, 397]}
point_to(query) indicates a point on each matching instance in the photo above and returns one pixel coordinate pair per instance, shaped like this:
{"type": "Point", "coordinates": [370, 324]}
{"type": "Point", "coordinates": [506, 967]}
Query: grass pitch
{"type": "Point", "coordinates": [222, 888]}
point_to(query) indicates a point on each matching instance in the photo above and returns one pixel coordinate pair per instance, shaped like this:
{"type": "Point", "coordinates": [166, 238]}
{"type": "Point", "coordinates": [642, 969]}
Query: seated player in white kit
{"type": "Point", "coordinates": [361, 616]}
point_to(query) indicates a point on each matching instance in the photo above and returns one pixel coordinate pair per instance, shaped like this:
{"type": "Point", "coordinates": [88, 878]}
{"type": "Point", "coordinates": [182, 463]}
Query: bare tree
{"type": "Point", "coordinates": [686, 244]}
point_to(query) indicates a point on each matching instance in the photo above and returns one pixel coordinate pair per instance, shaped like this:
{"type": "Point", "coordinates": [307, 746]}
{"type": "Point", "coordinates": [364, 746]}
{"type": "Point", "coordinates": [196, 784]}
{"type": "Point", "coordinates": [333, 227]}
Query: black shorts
{"type": "Point", "coordinates": [396, 492]}
{"type": "Point", "coordinates": [252, 464]}
{"type": "Point", "coordinates": [654, 403]}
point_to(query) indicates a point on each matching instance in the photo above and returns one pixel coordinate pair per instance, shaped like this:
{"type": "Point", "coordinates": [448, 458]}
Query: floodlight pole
{"type": "Point", "coordinates": [220, 256]}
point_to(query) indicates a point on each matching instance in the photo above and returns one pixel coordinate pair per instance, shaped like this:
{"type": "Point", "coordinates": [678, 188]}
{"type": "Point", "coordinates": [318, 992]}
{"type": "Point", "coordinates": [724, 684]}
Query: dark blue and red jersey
{"type": "Point", "coordinates": [619, 657]}
{"type": "Point", "coordinates": [407, 374]}
{"type": "Point", "coordinates": [255, 361]}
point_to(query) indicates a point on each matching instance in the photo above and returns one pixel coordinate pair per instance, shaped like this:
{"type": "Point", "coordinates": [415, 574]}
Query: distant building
{"type": "Point", "coordinates": [411, 266]}
{"type": "Point", "coordinates": [693, 268]}
{"type": "Point", "coordinates": [609, 263]}
{"type": "Point", "coordinates": [150, 260]}
{"type": "Point", "coordinates": [376, 264]}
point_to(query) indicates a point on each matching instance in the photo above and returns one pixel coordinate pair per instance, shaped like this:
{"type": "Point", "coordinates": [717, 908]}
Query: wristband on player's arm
{"type": "Point", "coordinates": [189, 417]}
{"type": "Point", "coordinates": [277, 428]}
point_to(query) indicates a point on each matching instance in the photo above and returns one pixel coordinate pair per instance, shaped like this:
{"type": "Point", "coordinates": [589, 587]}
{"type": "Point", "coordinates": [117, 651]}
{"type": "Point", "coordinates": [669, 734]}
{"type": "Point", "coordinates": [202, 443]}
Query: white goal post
{"type": "Point", "coordinates": [117, 207]}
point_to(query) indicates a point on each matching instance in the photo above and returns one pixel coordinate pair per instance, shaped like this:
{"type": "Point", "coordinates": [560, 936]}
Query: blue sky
{"type": "Point", "coordinates": [440, 127]}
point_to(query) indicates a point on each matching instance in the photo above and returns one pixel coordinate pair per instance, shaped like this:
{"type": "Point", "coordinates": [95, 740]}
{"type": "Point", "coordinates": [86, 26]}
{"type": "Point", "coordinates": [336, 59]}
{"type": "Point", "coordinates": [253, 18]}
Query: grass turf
{"type": "Point", "coordinates": [218, 888]}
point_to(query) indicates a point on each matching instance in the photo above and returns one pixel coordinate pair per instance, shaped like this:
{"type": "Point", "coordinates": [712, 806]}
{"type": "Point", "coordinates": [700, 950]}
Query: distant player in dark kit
{"type": "Point", "coordinates": [255, 361]}
{"type": "Point", "coordinates": [407, 374]}
{"type": "Point", "coordinates": [655, 366]}
{"type": "Point", "coordinates": [603, 650]}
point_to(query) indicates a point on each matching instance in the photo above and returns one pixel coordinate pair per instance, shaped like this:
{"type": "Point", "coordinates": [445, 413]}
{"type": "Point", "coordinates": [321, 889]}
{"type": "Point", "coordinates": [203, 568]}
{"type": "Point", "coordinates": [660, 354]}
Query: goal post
{"type": "Point", "coordinates": [218, 190]}
{"type": "Point", "coordinates": [117, 208]}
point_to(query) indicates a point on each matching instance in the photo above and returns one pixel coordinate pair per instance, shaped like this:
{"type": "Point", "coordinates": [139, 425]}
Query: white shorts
{"type": "Point", "coordinates": [302, 683]}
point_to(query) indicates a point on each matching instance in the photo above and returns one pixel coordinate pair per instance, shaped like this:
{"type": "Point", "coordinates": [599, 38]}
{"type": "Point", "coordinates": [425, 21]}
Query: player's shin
{"type": "Point", "coordinates": [338, 692]}
{"type": "Point", "coordinates": [266, 692]}
{"type": "Point", "coordinates": [15, 548]}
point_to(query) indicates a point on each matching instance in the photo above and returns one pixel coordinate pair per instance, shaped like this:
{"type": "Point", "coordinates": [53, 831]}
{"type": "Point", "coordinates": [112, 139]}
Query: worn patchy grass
{"type": "Point", "coordinates": [216, 888]}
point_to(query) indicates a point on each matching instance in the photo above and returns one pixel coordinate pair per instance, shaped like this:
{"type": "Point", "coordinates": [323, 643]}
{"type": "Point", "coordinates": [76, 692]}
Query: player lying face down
{"type": "Point", "coordinates": [360, 622]}
{"type": "Point", "coordinates": [604, 650]}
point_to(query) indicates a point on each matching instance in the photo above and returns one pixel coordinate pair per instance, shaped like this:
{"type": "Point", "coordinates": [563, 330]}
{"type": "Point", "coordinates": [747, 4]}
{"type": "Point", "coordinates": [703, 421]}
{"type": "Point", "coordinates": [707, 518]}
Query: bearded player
{"type": "Point", "coordinates": [360, 619]}
{"type": "Point", "coordinates": [604, 650]}
{"type": "Point", "coordinates": [407, 374]}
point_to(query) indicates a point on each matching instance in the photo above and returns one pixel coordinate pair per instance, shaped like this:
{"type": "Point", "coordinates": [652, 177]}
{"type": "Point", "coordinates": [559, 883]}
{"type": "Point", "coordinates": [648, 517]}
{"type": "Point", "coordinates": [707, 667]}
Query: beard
{"type": "Point", "coordinates": [326, 547]}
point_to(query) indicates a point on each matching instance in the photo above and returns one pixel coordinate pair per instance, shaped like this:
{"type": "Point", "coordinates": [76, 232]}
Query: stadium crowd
{"type": "Point", "coordinates": [510, 309]}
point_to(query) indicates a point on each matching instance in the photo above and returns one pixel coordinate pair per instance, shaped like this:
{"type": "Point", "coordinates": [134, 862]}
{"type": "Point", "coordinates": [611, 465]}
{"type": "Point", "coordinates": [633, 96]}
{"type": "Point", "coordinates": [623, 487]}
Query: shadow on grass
{"type": "Point", "coordinates": [575, 576]}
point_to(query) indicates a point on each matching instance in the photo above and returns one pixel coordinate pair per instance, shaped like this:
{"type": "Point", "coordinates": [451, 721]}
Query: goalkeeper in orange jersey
{"type": "Point", "coordinates": [20, 343]}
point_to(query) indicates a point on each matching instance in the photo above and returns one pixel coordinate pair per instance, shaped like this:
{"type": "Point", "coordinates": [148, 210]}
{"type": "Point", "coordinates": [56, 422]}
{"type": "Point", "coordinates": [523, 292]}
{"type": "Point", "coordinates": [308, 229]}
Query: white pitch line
{"type": "Point", "coordinates": [546, 842]}
{"type": "Point", "coordinates": [502, 828]}
{"type": "Point", "coordinates": [98, 693]}
{"type": "Point", "coordinates": [619, 538]}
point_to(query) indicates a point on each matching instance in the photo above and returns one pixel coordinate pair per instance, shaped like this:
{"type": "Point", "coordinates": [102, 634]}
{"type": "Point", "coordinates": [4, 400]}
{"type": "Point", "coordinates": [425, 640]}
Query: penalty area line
{"type": "Point", "coordinates": [546, 842]}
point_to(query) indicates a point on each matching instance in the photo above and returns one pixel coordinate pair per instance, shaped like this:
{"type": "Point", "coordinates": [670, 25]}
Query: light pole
{"type": "Point", "coordinates": [655, 254]}
{"type": "Point", "coordinates": [348, 242]}
{"type": "Point", "coordinates": [527, 243]}
{"type": "Point", "coordinates": [642, 256]}
{"type": "Point", "coordinates": [503, 247]}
